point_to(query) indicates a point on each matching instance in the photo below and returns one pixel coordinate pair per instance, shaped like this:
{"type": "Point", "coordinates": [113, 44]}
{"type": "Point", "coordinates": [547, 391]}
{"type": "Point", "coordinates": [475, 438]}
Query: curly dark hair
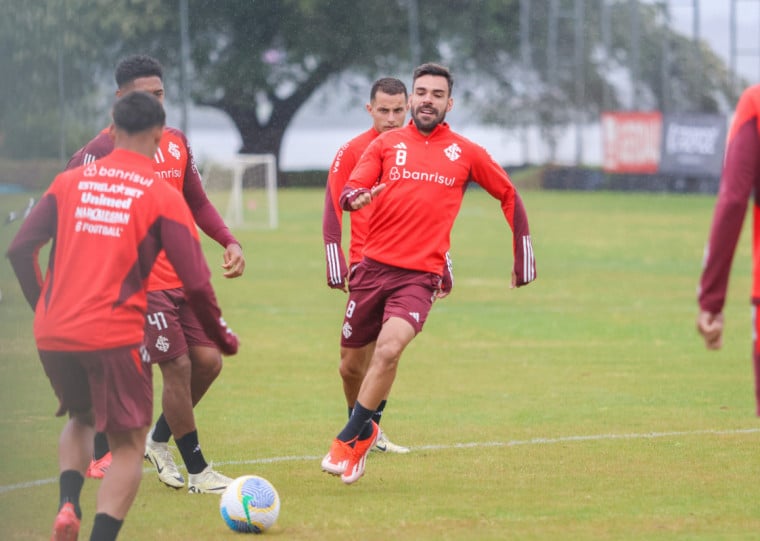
{"type": "Point", "coordinates": [136, 66]}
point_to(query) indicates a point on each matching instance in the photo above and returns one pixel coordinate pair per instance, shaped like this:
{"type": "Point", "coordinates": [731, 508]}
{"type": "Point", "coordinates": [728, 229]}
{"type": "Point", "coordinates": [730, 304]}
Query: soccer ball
{"type": "Point", "coordinates": [250, 504]}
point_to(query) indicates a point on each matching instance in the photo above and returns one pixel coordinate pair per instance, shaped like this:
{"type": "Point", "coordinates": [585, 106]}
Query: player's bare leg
{"type": "Point", "coordinates": [206, 367]}
{"type": "Point", "coordinates": [74, 452]}
{"type": "Point", "coordinates": [348, 451]}
{"type": "Point", "coordinates": [119, 486]}
{"type": "Point", "coordinates": [75, 443]}
{"type": "Point", "coordinates": [395, 335]}
{"type": "Point", "coordinates": [176, 398]}
{"type": "Point", "coordinates": [186, 380]}
{"type": "Point", "coordinates": [177, 407]}
{"type": "Point", "coordinates": [353, 367]}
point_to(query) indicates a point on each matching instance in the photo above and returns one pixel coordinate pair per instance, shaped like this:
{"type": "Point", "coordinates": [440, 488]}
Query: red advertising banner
{"type": "Point", "coordinates": [631, 141]}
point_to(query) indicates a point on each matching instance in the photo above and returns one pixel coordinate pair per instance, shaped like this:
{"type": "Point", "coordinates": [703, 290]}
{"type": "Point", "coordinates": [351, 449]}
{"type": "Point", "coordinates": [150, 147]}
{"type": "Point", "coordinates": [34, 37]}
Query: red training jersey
{"type": "Point", "coordinates": [108, 220]}
{"type": "Point", "coordinates": [740, 180]}
{"type": "Point", "coordinates": [175, 164]}
{"type": "Point", "coordinates": [332, 219]}
{"type": "Point", "coordinates": [425, 178]}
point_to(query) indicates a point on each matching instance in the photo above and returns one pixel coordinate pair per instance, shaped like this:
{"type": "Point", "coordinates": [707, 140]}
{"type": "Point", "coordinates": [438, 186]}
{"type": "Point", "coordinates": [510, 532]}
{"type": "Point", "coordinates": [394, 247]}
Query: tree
{"type": "Point", "coordinates": [260, 61]}
{"type": "Point", "coordinates": [54, 53]}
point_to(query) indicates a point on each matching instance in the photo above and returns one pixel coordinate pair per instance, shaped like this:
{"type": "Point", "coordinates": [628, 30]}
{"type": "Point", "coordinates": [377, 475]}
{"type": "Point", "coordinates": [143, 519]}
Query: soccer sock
{"type": "Point", "coordinates": [101, 446]}
{"type": "Point", "coordinates": [105, 528]}
{"type": "Point", "coordinates": [379, 413]}
{"type": "Point", "coordinates": [70, 486]}
{"type": "Point", "coordinates": [161, 431]}
{"type": "Point", "coordinates": [191, 453]}
{"type": "Point", "coordinates": [350, 411]}
{"type": "Point", "coordinates": [357, 424]}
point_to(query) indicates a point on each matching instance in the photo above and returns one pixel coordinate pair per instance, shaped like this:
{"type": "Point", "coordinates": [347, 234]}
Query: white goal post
{"type": "Point", "coordinates": [239, 164]}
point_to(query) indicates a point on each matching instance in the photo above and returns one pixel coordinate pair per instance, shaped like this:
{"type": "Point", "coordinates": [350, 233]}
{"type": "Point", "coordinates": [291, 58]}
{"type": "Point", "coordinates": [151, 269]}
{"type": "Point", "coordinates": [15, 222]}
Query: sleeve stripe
{"type": "Point", "coordinates": [529, 264]}
{"type": "Point", "coordinates": [333, 262]}
{"type": "Point", "coordinates": [450, 267]}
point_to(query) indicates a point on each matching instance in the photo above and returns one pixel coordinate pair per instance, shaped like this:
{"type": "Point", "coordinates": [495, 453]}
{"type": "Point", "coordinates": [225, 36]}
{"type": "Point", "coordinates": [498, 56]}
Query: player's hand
{"type": "Point", "coordinates": [336, 278]}
{"type": "Point", "coordinates": [234, 262]}
{"type": "Point", "coordinates": [710, 326]}
{"type": "Point", "coordinates": [366, 198]}
{"type": "Point", "coordinates": [513, 283]}
{"type": "Point", "coordinates": [229, 340]}
{"type": "Point", "coordinates": [339, 285]}
{"type": "Point", "coordinates": [447, 279]}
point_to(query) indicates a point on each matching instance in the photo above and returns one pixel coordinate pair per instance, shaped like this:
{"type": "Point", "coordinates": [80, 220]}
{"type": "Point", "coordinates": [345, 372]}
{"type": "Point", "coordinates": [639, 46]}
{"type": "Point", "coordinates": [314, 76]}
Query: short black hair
{"type": "Point", "coordinates": [432, 68]}
{"type": "Point", "coordinates": [136, 112]}
{"type": "Point", "coordinates": [136, 66]}
{"type": "Point", "coordinates": [388, 85]}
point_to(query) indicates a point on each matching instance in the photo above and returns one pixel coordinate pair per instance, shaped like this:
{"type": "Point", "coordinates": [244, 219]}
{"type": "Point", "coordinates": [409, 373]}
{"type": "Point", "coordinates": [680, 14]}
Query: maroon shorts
{"type": "Point", "coordinates": [171, 326]}
{"type": "Point", "coordinates": [377, 292]}
{"type": "Point", "coordinates": [117, 384]}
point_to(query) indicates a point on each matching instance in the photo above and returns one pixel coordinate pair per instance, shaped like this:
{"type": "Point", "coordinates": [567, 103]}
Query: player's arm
{"type": "Point", "coordinates": [495, 180]}
{"type": "Point", "coordinates": [741, 168]}
{"type": "Point", "coordinates": [35, 232]}
{"type": "Point", "coordinates": [741, 171]}
{"type": "Point", "coordinates": [184, 251]}
{"type": "Point", "coordinates": [332, 218]}
{"type": "Point", "coordinates": [210, 221]}
{"type": "Point", "coordinates": [362, 185]}
{"type": "Point", "coordinates": [76, 159]}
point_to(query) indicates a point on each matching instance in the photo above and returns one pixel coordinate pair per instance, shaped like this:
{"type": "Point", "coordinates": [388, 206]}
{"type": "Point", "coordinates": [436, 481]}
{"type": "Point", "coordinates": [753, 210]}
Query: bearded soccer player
{"type": "Point", "coordinates": [108, 221]}
{"type": "Point", "coordinates": [423, 170]}
{"type": "Point", "coordinates": [387, 106]}
{"type": "Point", "coordinates": [739, 182]}
{"type": "Point", "coordinates": [189, 361]}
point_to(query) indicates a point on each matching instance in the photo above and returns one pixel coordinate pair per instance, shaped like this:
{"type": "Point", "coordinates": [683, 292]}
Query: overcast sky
{"type": "Point", "coordinates": [714, 27]}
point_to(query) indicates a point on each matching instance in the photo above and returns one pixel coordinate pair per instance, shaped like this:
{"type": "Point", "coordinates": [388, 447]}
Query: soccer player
{"type": "Point", "coordinates": [108, 221]}
{"type": "Point", "coordinates": [423, 170]}
{"type": "Point", "coordinates": [739, 182]}
{"type": "Point", "coordinates": [189, 361]}
{"type": "Point", "coordinates": [387, 106]}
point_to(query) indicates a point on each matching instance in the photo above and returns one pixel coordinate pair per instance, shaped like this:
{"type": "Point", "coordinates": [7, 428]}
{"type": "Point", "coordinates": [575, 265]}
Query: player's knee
{"type": "Point", "coordinates": [176, 373]}
{"type": "Point", "coordinates": [207, 367]}
{"type": "Point", "coordinates": [351, 371]}
{"type": "Point", "coordinates": [353, 364]}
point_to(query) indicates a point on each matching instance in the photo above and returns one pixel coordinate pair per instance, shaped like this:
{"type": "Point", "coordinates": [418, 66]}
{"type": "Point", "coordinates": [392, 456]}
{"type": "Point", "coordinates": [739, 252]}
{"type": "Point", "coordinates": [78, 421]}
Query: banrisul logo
{"type": "Point", "coordinates": [421, 176]}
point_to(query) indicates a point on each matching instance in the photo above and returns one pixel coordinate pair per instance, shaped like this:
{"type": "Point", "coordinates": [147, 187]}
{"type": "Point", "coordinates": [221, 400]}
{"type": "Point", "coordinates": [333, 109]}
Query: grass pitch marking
{"type": "Point", "coordinates": [444, 447]}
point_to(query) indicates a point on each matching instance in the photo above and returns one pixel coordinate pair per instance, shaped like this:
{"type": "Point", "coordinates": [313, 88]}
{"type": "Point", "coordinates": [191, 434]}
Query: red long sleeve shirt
{"type": "Point", "coordinates": [426, 177]}
{"type": "Point", "coordinates": [739, 181]}
{"type": "Point", "coordinates": [108, 220]}
{"type": "Point", "coordinates": [175, 164]}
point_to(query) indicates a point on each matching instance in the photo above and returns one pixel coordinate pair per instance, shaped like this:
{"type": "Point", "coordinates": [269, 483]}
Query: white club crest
{"type": "Point", "coordinates": [453, 152]}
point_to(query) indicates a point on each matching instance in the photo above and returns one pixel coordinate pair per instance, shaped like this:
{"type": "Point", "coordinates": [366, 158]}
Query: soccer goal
{"type": "Point", "coordinates": [249, 183]}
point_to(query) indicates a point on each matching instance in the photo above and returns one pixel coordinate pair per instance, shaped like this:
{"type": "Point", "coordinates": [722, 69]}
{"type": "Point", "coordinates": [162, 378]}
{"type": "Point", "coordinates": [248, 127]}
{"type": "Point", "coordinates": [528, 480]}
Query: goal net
{"type": "Point", "coordinates": [246, 185]}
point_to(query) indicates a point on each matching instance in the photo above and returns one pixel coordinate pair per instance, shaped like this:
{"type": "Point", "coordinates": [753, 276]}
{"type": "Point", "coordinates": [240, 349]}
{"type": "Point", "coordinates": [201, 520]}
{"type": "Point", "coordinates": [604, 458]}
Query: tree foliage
{"type": "Point", "coordinates": [260, 61]}
{"type": "Point", "coordinates": [57, 52]}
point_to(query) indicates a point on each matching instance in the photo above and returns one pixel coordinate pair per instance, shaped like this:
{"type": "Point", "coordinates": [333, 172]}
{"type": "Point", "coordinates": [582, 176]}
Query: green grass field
{"type": "Point", "coordinates": [581, 407]}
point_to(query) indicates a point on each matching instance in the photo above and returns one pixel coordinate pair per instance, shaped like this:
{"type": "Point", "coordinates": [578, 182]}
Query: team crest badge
{"type": "Point", "coordinates": [453, 152]}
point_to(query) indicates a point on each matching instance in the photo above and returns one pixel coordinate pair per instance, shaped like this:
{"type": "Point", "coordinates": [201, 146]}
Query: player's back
{"type": "Point", "coordinates": [106, 239]}
{"type": "Point", "coordinates": [170, 162]}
